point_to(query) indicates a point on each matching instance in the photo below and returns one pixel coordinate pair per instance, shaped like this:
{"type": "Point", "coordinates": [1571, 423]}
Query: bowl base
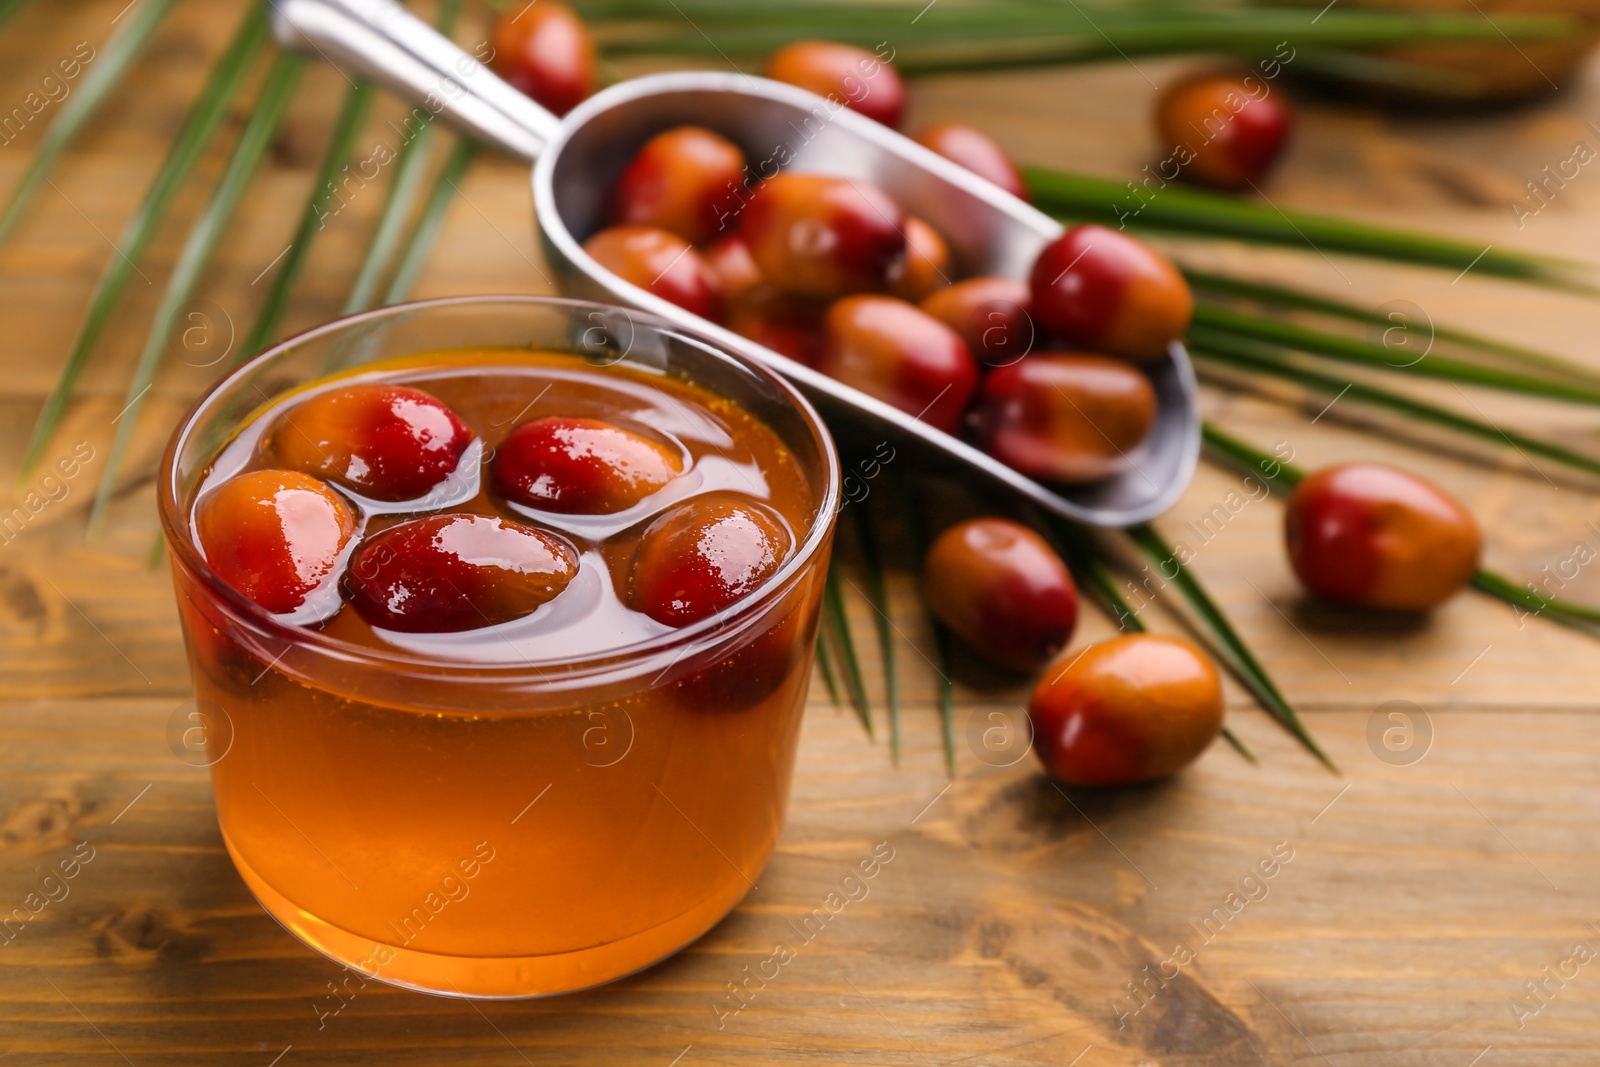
{"type": "Point", "coordinates": [483, 977]}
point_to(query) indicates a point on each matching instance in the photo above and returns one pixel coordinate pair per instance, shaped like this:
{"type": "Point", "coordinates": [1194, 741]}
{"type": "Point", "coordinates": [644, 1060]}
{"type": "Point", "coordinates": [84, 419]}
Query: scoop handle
{"type": "Point", "coordinates": [382, 41]}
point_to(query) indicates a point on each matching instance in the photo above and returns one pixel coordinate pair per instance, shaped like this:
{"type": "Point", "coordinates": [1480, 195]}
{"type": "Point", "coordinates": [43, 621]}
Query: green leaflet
{"type": "Point", "coordinates": [100, 78]}
{"type": "Point", "coordinates": [352, 115]}
{"type": "Point", "coordinates": [1178, 210]}
{"type": "Point", "coordinates": [206, 233]}
{"type": "Point", "coordinates": [420, 245]}
{"type": "Point", "coordinates": [226, 79]}
{"type": "Point", "coordinates": [409, 170]}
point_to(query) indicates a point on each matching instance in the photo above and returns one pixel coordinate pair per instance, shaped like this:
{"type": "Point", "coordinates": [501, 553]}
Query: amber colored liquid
{"type": "Point", "coordinates": [512, 846]}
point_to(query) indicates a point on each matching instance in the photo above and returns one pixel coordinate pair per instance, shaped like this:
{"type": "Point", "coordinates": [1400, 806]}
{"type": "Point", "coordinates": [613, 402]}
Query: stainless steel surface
{"type": "Point", "coordinates": [778, 126]}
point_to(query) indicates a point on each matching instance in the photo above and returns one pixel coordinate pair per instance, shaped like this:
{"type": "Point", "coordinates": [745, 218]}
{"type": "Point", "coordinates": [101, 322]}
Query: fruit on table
{"type": "Point", "coordinates": [1373, 535]}
{"type": "Point", "coordinates": [1065, 418]}
{"type": "Point", "coordinates": [386, 442]}
{"type": "Point", "coordinates": [545, 51]}
{"type": "Point", "coordinates": [1131, 709]}
{"type": "Point", "coordinates": [1107, 292]}
{"type": "Point", "coordinates": [851, 76]}
{"type": "Point", "coordinates": [823, 236]}
{"type": "Point", "coordinates": [1225, 130]}
{"type": "Point", "coordinates": [927, 265]}
{"type": "Point", "coordinates": [990, 314]}
{"type": "Point", "coordinates": [274, 535]}
{"type": "Point", "coordinates": [975, 151]}
{"type": "Point", "coordinates": [736, 268]}
{"type": "Point", "coordinates": [700, 557]}
{"type": "Point", "coordinates": [1003, 590]}
{"type": "Point", "coordinates": [580, 466]}
{"type": "Point", "coordinates": [894, 351]}
{"type": "Point", "coordinates": [661, 262]}
{"type": "Point", "coordinates": [687, 180]}
{"type": "Point", "coordinates": [447, 573]}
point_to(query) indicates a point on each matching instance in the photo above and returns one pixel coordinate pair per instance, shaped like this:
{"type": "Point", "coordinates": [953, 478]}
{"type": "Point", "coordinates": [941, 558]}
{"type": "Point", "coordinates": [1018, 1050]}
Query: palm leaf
{"type": "Point", "coordinates": [877, 594]}
{"type": "Point", "coordinates": [1280, 476]}
{"type": "Point", "coordinates": [1176, 210]}
{"type": "Point", "coordinates": [224, 82]}
{"type": "Point", "coordinates": [197, 251]}
{"type": "Point", "coordinates": [352, 115]}
{"type": "Point", "coordinates": [99, 80]}
{"type": "Point", "coordinates": [999, 34]}
{"type": "Point", "coordinates": [839, 625]}
{"type": "Point", "coordinates": [409, 170]}
{"type": "Point", "coordinates": [1215, 326]}
{"type": "Point", "coordinates": [1569, 613]}
{"type": "Point", "coordinates": [830, 677]}
{"type": "Point", "coordinates": [1245, 356]}
{"type": "Point", "coordinates": [905, 496]}
{"type": "Point", "coordinates": [420, 245]}
{"type": "Point", "coordinates": [1234, 651]}
{"type": "Point", "coordinates": [1087, 564]}
{"type": "Point", "coordinates": [1284, 297]}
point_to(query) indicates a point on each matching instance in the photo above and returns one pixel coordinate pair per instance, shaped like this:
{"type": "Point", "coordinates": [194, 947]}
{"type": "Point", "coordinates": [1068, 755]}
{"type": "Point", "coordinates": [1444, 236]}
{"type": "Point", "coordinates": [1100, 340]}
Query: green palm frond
{"type": "Point", "coordinates": [1088, 566]}
{"type": "Point", "coordinates": [410, 168]}
{"type": "Point", "coordinates": [99, 81]}
{"type": "Point", "coordinates": [877, 594]}
{"type": "Point", "coordinates": [838, 626]}
{"type": "Point", "coordinates": [357, 101]}
{"type": "Point", "coordinates": [1173, 209]}
{"type": "Point", "coordinates": [938, 657]}
{"type": "Point", "coordinates": [1235, 653]}
{"type": "Point", "coordinates": [1215, 327]}
{"type": "Point", "coordinates": [1008, 34]}
{"type": "Point", "coordinates": [216, 96]}
{"type": "Point", "coordinates": [1258, 359]}
{"type": "Point", "coordinates": [1281, 298]}
{"type": "Point", "coordinates": [420, 244]}
{"type": "Point", "coordinates": [204, 237]}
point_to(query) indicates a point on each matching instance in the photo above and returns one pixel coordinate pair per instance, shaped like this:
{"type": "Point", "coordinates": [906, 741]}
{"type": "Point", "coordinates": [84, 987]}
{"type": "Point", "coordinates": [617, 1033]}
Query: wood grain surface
{"type": "Point", "coordinates": [1410, 902]}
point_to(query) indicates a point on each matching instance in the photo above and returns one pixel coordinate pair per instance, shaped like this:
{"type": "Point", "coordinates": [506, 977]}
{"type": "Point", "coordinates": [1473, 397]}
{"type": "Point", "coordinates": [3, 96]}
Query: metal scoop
{"type": "Point", "coordinates": [777, 126]}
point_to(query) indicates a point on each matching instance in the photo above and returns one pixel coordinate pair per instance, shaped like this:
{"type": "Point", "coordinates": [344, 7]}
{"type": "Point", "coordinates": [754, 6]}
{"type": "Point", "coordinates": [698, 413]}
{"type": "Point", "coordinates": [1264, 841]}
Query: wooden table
{"type": "Point", "coordinates": [1420, 898]}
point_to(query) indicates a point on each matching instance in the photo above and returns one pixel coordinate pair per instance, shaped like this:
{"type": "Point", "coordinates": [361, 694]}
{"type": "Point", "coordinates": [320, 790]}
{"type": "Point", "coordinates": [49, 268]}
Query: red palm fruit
{"type": "Point", "coordinates": [1109, 293]}
{"type": "Point", "coordinates": [545, 51]}
{"type": "Point", "coordinates": [823, 236]}
{"type": "Point", "coordinates": [580, 466]}
{"type": "Point", "coordinates": [1000, 588]}
{"type": "Point", "coordinates": [661, 262]}
{"type": "Point", "coordinates": [891, 350]}
{"type": "Point", "coordinates": [990, 314]}
{"type": "Point", "coordinates": [1128, 710]}
{"type": "Point", "coordinates": [1065, 418]}
{"type": "Point", "coordinates": [447, 573]}
{"type": "Point", "coordinates": [704, 555]}
{"type": "Point", "coordinates": [683, 181]}
{"type": "Point", "coordinates": [1223, 129]}
{"type": "Point", "coordinates": [974, 150]}
{"type": "Point", "coordinates": [928, 264]}
{"type": "Point", "coordinates": [856, 78]}
{"type": "Point", "coordinates": [1375, 536]}
{"type": "Point", "coordinates": [386, 442]}
{"type": "Point", "coordinates": [730, 258]}
{"type": "Point", "coordinates": [273, 535]}
{"type": "Point", "coordinates": [789, 324]}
